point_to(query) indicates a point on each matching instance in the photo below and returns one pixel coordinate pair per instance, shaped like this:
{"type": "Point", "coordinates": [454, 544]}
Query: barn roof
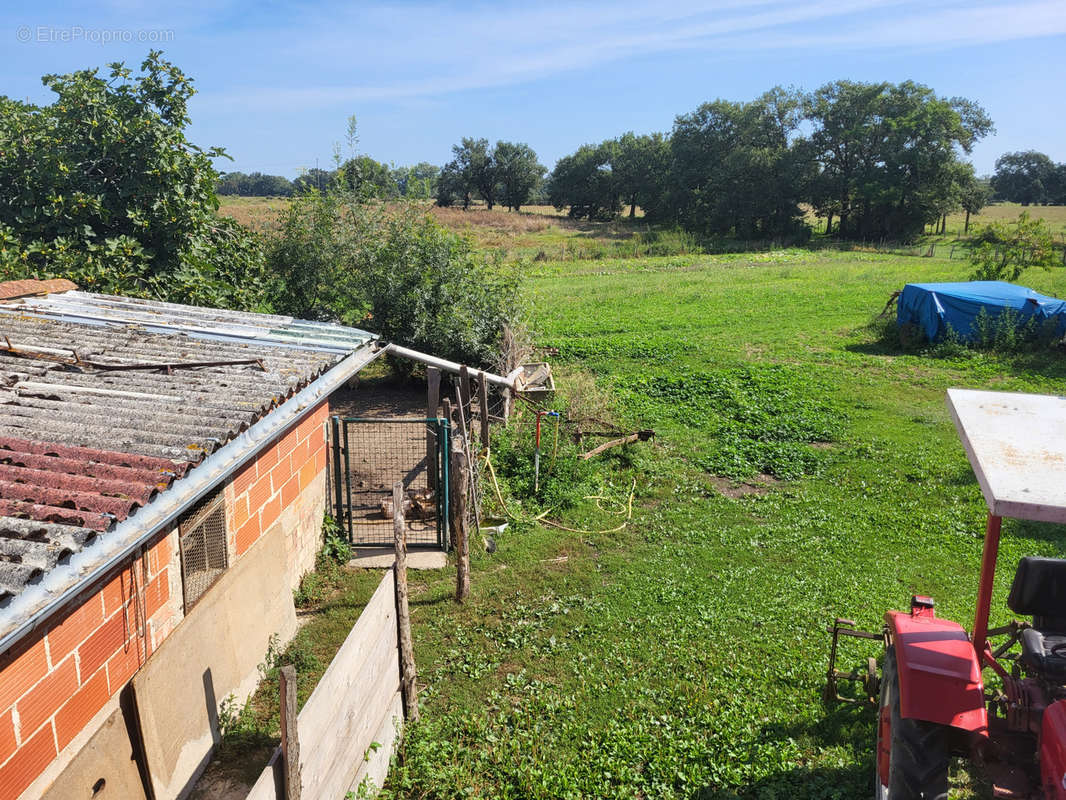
{"type": "Point", "coordinates": [106, 403]}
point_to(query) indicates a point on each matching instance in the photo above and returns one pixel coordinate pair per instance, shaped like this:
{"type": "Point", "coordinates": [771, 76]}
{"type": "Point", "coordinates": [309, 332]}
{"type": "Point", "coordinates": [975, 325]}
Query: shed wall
{"type": "Point", "coordinates": [60, 679]}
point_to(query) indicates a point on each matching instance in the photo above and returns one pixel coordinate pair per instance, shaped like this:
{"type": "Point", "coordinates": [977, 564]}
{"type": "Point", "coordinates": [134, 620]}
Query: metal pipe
{"type": "Point", "coordinates": [984, 591]}
{"type": "Point", "coordinates": [448, 366]}
{"type": "Point", "coordinates": [59, 587]}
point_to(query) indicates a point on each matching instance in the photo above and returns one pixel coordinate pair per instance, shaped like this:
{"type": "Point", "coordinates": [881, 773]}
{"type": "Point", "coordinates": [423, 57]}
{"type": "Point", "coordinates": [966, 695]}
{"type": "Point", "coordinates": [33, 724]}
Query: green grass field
{"type": "Point", "coordinates": [803, 469]}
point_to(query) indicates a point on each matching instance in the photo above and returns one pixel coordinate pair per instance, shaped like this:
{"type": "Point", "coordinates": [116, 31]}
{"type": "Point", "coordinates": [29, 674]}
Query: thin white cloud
{"type": "Point", "coordinates": [391, 52]}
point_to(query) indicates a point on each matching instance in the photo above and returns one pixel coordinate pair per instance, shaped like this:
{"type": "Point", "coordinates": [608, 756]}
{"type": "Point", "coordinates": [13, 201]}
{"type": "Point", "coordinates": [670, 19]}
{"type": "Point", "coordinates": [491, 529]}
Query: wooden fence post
{"type": "Point", "coordinates": [461, 484]}
{"type": "Point", "coordinates": [483, 397]}
{"type": "Point", "coordinates": [464, 384]}
{"type": "Point", "coordinates": [432, 400]}
{"type": "Point", "coordinates": [290, 741]}
{"type": "Point", "coordinates": [408, 674]}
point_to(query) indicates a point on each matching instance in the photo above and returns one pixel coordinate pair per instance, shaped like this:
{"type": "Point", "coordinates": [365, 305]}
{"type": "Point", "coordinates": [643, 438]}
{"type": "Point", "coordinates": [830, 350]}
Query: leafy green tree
{"type": "Point", "coordinates": [974, 195]}
{"type": "Point", "coordinates": [102, 186]}
{"type": "Point", "coordinates": [584, 182]}
{"type": "Point", "coordinates": [255, 184]}
{"type": "Point", "coordinates": [517, 171]}
{"type": "Point", "coordinates": [473, 169]}
{"type": "Point", "coordinates": [421, 181]}
{"type": "Point", "coordinates": [844, 115]}
{"type": "Point", "coordinates": [314, 178]}
{"type": "Point", "coordinates": [641, 165]}
{"type": "Point", "coordinates": [735, 171]}
{"type": "Point", "coordinates": [1003, 251]}
{"type": "Point", "coordinates": [887, 155]}
{"type": "Point", "coordinates": [1022, 177]}
{"type": "Point", "coordinates": [366, 177]}
{"type": "Point", "coordinates": [452, 187]}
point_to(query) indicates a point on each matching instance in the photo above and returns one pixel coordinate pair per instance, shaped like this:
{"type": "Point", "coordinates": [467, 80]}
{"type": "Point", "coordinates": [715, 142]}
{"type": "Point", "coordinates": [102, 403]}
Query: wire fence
{"type": "Point", "coordinates": [368, 456]}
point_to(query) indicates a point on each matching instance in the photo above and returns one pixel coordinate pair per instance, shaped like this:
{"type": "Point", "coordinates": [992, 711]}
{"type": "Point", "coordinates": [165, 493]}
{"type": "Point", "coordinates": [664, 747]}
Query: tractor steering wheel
{"type": "Point", "coordinates": [1058, 650]}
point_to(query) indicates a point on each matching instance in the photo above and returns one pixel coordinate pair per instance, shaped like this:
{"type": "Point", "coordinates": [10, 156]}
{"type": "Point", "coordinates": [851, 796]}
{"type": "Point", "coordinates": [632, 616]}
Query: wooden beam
{"type": "Point", "coordinates": [290, 739]}
{"type": "Point", "coordinates": [408, 673]}
{"type": "Point", "coordinates": [639, 436]}
{"type": "Point", "coordinates": [464, 385]}
{"type": "Point", "coordinates": [483, 397]}
{"type": "Point", "coordinates": [432, 401]}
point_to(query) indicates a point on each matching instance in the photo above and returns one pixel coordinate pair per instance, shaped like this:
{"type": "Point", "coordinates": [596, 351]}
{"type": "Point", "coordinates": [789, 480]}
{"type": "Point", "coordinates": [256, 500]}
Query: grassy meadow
{"type": "Point", "coordinates": [803, 468]}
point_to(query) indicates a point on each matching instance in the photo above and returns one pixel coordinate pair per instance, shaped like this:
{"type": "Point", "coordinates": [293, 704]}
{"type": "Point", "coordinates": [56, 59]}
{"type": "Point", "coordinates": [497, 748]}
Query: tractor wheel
{"type": "Point", "coordinates": [912, 755]}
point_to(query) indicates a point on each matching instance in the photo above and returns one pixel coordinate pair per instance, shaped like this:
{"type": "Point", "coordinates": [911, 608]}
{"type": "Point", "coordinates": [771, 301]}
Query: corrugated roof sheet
{"type": "Point", "coordinates": [105, 401]}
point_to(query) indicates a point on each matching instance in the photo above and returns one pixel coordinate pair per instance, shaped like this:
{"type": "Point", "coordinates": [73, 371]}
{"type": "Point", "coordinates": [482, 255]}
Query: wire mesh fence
{"type": "Point", "coordinates": [368, 456]}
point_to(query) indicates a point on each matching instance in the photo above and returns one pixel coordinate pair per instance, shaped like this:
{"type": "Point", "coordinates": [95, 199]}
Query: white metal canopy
{"type": "Point", "coordinates": [1016, 444]}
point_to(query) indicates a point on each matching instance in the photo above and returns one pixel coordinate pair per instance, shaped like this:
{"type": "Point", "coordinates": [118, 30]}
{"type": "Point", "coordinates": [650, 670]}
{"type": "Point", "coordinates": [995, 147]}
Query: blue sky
{"type": "Point", "coordinates": [277, 81]}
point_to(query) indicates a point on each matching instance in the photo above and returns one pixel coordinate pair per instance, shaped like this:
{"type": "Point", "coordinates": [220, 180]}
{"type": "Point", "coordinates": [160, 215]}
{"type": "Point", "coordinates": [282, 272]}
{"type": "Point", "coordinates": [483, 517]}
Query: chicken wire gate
{"type": "Point", "coordinates": [368, 456]}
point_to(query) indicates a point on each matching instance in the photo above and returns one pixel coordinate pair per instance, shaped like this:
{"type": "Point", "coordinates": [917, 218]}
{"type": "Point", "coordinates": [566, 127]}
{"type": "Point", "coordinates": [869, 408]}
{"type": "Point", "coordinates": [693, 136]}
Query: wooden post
{"type": "Point", "coordinates": [408, 675]}
{"type": "Point", "coordinates": [446, 412]}
{"type": "Point", "coordinates": [464, 384]}
{"type": "Point", "coordinates": [483, 396]}
{"type": "Point", "coordinates": [461, 485]}
{"type": "Point", "coordinates": [432, 400]}
{"type": "Point", "coordinates": [290, 742]}
{"type": "Point", "coordinates": [508, 405]}
{"type": "Point", "coordinates": [468, 447]}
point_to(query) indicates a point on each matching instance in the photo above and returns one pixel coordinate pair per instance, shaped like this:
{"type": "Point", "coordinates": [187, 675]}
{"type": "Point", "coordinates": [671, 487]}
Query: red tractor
{"type": "Point", "coordinates": [932, 700]}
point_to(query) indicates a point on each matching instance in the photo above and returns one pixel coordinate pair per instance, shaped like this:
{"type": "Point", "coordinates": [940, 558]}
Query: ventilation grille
{"type": "Point", "coordinates": [203, 547]}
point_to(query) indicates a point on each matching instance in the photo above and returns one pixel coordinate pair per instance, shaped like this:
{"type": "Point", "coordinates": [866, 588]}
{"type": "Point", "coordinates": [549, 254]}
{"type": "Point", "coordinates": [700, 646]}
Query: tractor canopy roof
{"type": "Point", "coordinates": [1016, 444]}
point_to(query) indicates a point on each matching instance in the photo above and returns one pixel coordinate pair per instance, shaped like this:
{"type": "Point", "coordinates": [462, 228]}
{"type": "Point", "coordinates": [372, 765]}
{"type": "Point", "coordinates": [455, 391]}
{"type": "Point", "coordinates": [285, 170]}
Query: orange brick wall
{"type": "Point", "coordinates": [288, 479]}
{"type": "Point", "coordinates": [56, 681]}
{"type": "Point", "coordinates": [53, 685]}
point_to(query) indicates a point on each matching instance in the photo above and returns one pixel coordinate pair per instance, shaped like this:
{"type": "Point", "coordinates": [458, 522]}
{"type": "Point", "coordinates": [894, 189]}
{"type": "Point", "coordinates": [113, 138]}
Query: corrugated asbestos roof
{"type": "Point", "coordinates": [105, 401]}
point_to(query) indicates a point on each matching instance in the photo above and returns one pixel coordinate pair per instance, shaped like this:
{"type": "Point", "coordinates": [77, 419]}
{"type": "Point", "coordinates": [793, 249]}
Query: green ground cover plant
{"type": "Point", "coordinates": [683, 656]}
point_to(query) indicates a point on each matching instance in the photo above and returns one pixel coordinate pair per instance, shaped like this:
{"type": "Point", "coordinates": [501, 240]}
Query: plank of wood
{"type": "Point", "coordinates": [483, 400]}
{"type": "Point", "coordinates": [343, 737]}
{"type": "Point", "coordinates": [378, 617]}
{"type": "Point", "coordinates": [639, 436]}
{"type": "Point", "coordinates": [460, 487]}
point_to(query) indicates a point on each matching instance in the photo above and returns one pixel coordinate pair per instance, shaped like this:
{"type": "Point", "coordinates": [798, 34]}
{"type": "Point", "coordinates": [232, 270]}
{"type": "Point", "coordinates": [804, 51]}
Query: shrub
{"type": "Point", "coordinates": [1003, 251]}
{"type": "Point", "coordinates": [394, 271]}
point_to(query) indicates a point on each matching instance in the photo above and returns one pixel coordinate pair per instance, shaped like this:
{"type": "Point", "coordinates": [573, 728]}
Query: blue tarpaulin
{"type": "Point", "coordinates": [934, 306]}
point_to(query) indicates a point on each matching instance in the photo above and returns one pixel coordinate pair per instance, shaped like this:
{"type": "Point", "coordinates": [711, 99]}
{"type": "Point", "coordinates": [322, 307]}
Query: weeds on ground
{"type": "Point", "coordinates": [336, 551]}
{"type": "Point", "coordinates": [755, 419]}
{"type": "Point", "coordinates": [1006, 333]}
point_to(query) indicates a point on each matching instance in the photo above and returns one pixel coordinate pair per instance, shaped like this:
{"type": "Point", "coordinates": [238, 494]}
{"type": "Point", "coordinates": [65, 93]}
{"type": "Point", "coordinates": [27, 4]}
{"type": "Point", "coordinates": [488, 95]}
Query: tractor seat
{"type": "Point", "coordinates": [1039, 591]}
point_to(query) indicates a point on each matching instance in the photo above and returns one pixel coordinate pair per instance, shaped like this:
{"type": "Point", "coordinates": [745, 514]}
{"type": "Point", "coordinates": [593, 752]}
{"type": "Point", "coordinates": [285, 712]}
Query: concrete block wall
{"type": "Point", "coordinates": [57, 684]}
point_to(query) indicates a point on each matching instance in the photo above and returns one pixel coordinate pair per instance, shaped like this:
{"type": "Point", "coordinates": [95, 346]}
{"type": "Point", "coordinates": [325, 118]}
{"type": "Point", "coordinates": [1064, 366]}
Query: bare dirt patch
{"type": "Point", "coordinates": [761, 484]}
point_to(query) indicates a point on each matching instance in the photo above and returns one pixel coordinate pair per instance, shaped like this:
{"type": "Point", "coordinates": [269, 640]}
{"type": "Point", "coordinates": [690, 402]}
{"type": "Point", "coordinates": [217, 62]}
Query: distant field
{"type": "Point", "coordinates": [542, 232]}
{"type": "Point", "coordinates": [534, 232]}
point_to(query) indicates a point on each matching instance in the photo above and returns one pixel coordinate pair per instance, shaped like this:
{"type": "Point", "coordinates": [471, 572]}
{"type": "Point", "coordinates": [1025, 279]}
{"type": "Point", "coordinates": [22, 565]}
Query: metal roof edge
{"type": "Point", "coordinates": [62, 585]}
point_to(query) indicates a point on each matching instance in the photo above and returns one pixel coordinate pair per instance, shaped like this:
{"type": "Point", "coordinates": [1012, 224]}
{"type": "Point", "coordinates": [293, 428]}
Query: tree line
{"type": "Point", "coordinates": [871, 159]}
{"type": "Point", "coordinates": [362, 173]}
